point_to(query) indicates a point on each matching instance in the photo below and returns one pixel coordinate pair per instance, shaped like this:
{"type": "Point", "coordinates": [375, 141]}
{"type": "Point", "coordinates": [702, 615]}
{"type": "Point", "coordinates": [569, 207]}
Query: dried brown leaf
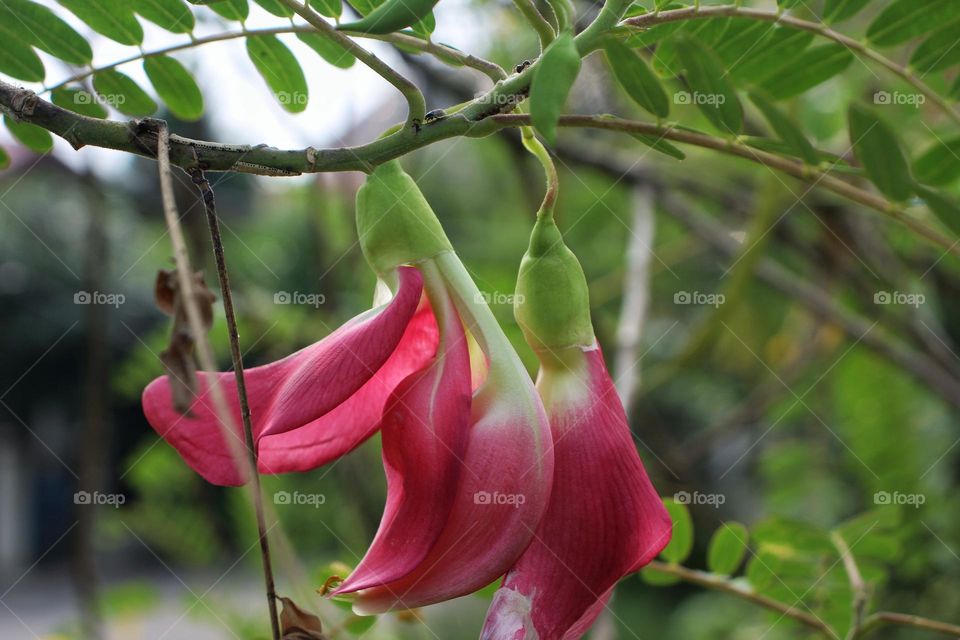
{"type": "Point", "coordinates": [297, 624]}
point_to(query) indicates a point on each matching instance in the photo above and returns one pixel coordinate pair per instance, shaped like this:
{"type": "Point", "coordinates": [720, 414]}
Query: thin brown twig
{"type": "Point", "coordinates": [213, 223]}
{"type": "Point", "coordinates": [884, 618]}
{"type": "Point", "coordinates": [204, 350]}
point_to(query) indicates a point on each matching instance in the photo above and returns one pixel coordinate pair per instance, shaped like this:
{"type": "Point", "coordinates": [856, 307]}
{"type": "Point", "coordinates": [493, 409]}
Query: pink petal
{"type": "Point", "coordinates": [288, 393]}
{"type": "Point", "coordinates": [501, 496]}
{"type": "Point", "coordinates": [424, 436]}
{"type": "Point", "coordinates": [604, 519]}
{"type": "Point", "coordinates": [357, 418]}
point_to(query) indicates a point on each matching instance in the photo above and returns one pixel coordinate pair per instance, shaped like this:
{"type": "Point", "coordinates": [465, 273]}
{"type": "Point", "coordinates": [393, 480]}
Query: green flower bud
{"type": "Point", "coordinates": [395, 223]}
{"type": "Point", "coordinates": [552, 304]}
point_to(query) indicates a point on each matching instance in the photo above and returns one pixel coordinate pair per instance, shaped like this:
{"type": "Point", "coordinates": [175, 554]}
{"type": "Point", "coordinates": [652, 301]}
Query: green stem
{"type": "Point", "coordinates": [441, 52]}
{"type": "Point", "coordinates": [536, 148]}
{"type": "Point", "coordinates": [692, 13]}
{"type": "Point", "coordinates": [416, 104]}
{"type": "Point", "coordinates": [537, 21]}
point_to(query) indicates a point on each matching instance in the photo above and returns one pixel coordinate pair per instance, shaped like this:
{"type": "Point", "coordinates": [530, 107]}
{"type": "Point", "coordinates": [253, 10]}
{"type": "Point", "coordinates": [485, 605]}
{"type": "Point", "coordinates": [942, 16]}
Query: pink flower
{"type": "Point", "coordinates": [604, 520]}
{"type": "Point", "coordinates": [312, 406]}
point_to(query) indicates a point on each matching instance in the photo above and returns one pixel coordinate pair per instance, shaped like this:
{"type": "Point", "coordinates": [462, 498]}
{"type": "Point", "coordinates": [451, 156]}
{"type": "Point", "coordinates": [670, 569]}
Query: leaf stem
{"type": "Point", "coordinates": [536, 20]}
{"type": "Point", "coordinates": [884, 618]}
{"type": "Point", "coordinates": [416, 104]}
{"type": "Point", "coordinates": [532, 144]}
{"type": "Point", "coordinates": [719, 583]}
{"type": "Point", "coordinates": [692, 13]}
{"type": "Point", "coordinates": [441, 52]}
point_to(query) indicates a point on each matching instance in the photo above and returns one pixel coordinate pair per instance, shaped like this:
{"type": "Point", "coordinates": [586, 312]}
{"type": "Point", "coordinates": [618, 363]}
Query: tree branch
{"type": "Point", "coordinates": [719, 583]}
{"type": "Point", "coordinates": [441, 52]}
{"type": "Point", "coordinates": [416, 104]}
{"type": "Point", "coordinates": [732, 11]}
{"type": "Point", "coordinates": [883, 618]}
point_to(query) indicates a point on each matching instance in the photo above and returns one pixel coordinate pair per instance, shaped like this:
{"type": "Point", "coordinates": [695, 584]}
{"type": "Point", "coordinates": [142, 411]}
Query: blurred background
{"type": "Point", "coordinates": [788, 360]}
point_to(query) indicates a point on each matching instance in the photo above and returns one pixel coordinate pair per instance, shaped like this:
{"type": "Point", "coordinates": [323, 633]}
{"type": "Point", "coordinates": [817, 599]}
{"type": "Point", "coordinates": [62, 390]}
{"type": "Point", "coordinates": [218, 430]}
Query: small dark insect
{"type": "Point", "coordinates": [433, 116]}
{"type": "Point", "coordinates": [523, 65]}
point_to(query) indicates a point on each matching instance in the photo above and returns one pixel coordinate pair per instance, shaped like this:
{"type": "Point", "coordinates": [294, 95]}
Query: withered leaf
{"type": "Point", "coordinates": [177, 358]}
{"type": "Point", "coordinates": [297, 624]}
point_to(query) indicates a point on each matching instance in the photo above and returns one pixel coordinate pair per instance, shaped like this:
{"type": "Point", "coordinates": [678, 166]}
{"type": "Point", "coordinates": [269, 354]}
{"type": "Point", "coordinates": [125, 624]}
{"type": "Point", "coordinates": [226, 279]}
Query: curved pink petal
{"type": "Point", "coordinates": [604, 519]}
{"type": "Point", "coordinates": [500, 497]}
{"type": "Point", "coordinates": [357, 418]}
{"type": "Point", "coordinates": [288, 393]}
{"type": "Point", "coordinates": [424, 436]}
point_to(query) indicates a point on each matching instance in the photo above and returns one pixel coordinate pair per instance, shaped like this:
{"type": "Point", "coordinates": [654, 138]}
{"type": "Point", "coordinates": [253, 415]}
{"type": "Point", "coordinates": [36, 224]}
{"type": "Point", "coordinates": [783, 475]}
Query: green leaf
{"type": "Point", "coordinates": [232, 9]}
{"type": "Point", "coordinates": [946, 209]}
{"type": "Point", "coordinates": [788, 4]}
{"type": "Point", "coordinates": [123, 94]}
{"type": "Point", "coordinates": [276, 8]}
{"type": "Point", "coordinates": [41, 27]}
{"type": "Point", "coordinates": [940, 164]}
{"type": "Point", "coordinates": [329, 8]}
{"type": "Point", "coordinates": [636, 78]}
{"type": "Point", "coordinates": [31, 136]}
{"type": "Point", "coordinates": [727, 548]}
{"type": "Point", "coordinates": [281, 71]}
{"type": "Point", "coordinates": [785, 128]}
{"type": "Point", "coordinates": [658, 578]}
{"type": "Point", "coordinates": [425, 26]}
{"type": "Point", "coordinates": [840, 10]}
{"type": "Point", "coordinates": [710, 86]}
{"type": "Point", "coordinates": [552, 80]}
{"type": "Point", "coordinates": [173, 15]}
{"type": "Point", "coordinates": [19, 60]}
{"type": "Point", "coordinates": [112, 19]}
{"type": "Point", "coordinates": [806, 71]}
{"type": "Point", "coordinates": [740, 39]}
{"type": "Point", "coordinates": [4, 159]}
{"type": "Point", "coordinates": [938, 52]}
{"type": "Point", "coordinates": [904, 20]}
{"type": "Point", "coordinates": [955, 89]}
{"type": "Point", "coordinates": [778, 48]}
{"type": "Point", "coordinates": [879, 152]}
{"type": "Point", "coordinates": [328, 50]}
{"type": "Point", "coordinates": [78, 101]}
{"type": "Point", "coordinates": [175, 86]}
{"type": "Point", "coordinates": [681, 542]}
{"type": "Point", "coordinates": [661, 145]}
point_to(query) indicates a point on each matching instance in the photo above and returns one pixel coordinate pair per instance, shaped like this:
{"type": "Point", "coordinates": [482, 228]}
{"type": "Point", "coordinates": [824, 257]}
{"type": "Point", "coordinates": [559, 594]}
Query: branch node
{"type": "Point", "coordinates": [23, 103]}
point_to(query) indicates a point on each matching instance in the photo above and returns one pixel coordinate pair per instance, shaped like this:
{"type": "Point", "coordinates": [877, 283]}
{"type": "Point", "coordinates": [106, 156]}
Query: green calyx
{"type": "Point", "coordinates": [552, 304]}
{"type": "Point", "coordinates": [395, 223]}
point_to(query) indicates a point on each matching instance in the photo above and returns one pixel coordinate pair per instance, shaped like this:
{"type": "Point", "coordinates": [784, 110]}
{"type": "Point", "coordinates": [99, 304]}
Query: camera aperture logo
{"type": "Point", "coordinates": [896, 498]}
{"type": "Point", "coordinates": [886, 98]}
{"type": "Point", "coordinates": [698, 98]}
{"type": "Point", "coordinates": [696, 498]}
{"type": "Point", "coordinates": [899, 298]}
{"type": "Point", "coordinates": [97, 498]}
{"type": "Point", "coordinates": [296, 297]}
{"type": "Point", "coordinates": [299, 499]}
{"type": "Point", "coordinates": [698, 298]}
{"type": "Point", "coordinates": [498, 297]}
{"type": "Point", "coordinates": [496, 498]}
{"type": "Point", "coordinates": [99, 297]}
